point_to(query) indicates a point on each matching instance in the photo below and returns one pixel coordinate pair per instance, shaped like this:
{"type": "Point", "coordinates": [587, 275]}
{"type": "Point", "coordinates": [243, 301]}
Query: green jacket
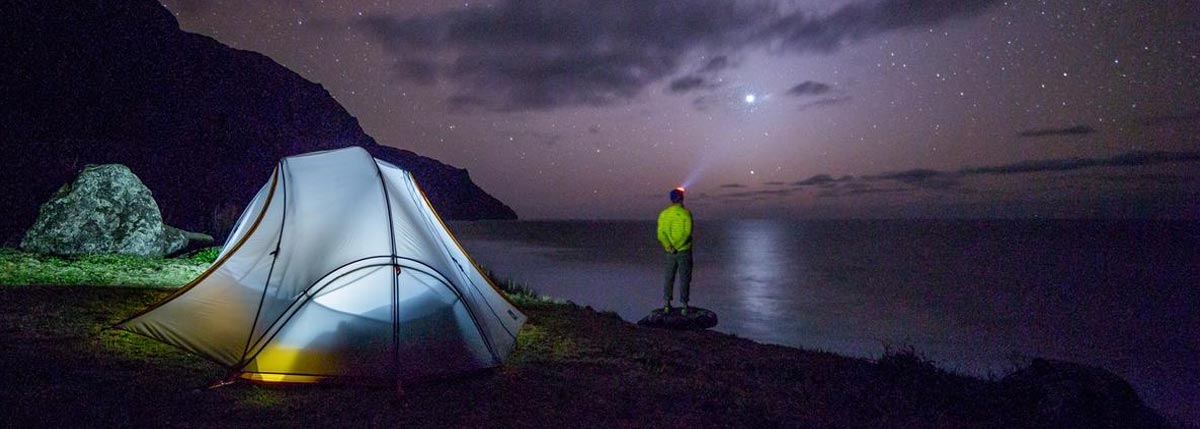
{"type": "Point", "coordinates": [675, 228]}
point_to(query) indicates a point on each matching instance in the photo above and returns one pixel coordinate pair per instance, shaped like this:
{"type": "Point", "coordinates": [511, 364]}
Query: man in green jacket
{"type": "Point", "coordinates": [675, 234]}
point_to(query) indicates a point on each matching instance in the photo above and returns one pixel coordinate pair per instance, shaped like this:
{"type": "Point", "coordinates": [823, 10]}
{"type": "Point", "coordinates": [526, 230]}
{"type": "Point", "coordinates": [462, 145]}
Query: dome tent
{"type": "Point", "coordinates": [338, 270]}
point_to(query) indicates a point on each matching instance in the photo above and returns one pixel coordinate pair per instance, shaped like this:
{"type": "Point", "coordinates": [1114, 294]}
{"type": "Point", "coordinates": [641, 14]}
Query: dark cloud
{"type": "Point", "coordinates": [1078, 130]}
{"type": "Point", "coordinates": [733, 185]}
{"type": "Point", "coordinates": [809, 87]}
{"type": "Point", "coordinates": [859, 189]}
{"type": "Point", "coordinates": [801, 31]}
{"type": "Point", "coordinates": [824, 102]}
{"type": "Point", "coordinates": [939, 180]}
{"type": "Point", "coordinates": [718, 63]}
{"type": "Point", "coordinates": [758, 194]}
{"type": "Point", "coordinates": [1128, 159]}
{"type": "Point", "coordinates": [544, 54]}
{"type": "Point", "coordinates": [419, 71]}
{"type": "Point", "coordinates": [921, 178]}
{"type": "Point", "coordinates": [727, 99]}
{"type": "Point", "coordinates": [821, 180]}
{"type": "Point", "coordinates": [687, 83]}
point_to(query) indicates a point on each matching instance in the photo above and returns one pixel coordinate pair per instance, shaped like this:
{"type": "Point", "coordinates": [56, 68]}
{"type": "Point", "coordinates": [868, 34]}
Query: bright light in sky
{"type": "Point", "coordinates": [750, 98]}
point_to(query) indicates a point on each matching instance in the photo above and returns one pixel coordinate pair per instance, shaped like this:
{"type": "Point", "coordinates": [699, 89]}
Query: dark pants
{"type": "Point", "coordinates": [681, 262]}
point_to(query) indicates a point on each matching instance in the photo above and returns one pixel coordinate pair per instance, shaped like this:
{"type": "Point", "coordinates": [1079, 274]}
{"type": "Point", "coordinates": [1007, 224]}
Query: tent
{"type": "Point", "coordinates": [339, 270]}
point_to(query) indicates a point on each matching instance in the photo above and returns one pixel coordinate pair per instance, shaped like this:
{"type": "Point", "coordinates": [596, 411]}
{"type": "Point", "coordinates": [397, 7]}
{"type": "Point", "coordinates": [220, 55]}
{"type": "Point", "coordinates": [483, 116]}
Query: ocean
{"type": "Point", "coordinates": [980, 297]}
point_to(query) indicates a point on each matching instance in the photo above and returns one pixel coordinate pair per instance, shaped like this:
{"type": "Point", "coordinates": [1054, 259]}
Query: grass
{"type": "Point", "coordinates": [521, 294]}
{"type": "Point", "coordinates": [572, 367]}
{"type": "Point", "coordinates": [25, 268]}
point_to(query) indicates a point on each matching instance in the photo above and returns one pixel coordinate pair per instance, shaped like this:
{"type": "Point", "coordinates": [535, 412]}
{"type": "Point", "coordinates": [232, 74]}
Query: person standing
{"type": "Point", "coordinates": [675, 234]}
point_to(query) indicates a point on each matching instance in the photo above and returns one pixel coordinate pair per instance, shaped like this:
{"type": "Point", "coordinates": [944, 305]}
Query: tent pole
{"type": "Point", "coordinates": [387, 203]}
{"type": "Point", "coordinates": [282, 168]}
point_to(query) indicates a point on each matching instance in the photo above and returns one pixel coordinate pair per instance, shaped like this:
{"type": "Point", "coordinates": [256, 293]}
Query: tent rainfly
{"type": "Point", "coordinates": [339, 270]}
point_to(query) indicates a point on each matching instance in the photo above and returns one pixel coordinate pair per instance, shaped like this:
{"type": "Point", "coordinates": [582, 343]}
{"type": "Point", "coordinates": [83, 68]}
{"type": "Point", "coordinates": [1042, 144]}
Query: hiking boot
{"type": "Point", "coordinates": [683, 311]}
{"type": "Point", "coordinates": [667, 308]}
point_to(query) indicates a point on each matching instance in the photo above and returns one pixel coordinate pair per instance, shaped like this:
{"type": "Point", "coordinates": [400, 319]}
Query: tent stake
{"type": "Point", "coordinates": [222, 383]}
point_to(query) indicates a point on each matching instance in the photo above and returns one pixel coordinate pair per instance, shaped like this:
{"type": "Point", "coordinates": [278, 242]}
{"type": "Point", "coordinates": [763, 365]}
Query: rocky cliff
{"type": "Point", "coordinates": [203, 124]}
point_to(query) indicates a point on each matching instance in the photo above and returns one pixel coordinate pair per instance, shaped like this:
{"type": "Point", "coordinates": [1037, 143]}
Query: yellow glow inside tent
{"type": "Point", "coordinates": [280, 378]}
{"type": "Point", "coordinates": [274, 360]}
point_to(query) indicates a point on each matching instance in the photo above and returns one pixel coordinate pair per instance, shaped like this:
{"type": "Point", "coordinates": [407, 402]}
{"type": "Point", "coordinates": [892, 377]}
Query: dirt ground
{"type": "Point", "coordinates": [572, 367]}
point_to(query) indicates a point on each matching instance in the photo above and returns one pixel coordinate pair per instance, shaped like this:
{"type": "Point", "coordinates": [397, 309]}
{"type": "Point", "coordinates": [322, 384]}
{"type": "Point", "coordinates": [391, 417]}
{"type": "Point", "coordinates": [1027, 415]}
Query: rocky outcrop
{"type": "Point", "coordinates": [105, 210]}
{"type": "Point", "coordinates": [696, 319]}
{"type": "Point", "coordinates": [1052, 393]}
{"type": "Point", "coordinates": [90, 82]}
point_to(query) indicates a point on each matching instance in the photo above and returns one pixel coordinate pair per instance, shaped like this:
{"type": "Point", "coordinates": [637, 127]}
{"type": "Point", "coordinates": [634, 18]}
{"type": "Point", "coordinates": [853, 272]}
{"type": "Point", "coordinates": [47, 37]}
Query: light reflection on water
{"type": "Point", "coordinates": [756, 264]}
{"type": "Point", "coordinates": [972, 295]}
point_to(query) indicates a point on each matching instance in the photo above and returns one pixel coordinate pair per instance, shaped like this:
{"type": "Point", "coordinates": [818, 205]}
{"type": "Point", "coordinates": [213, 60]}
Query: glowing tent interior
{"type": "Point", "coordinates": [339, 270]}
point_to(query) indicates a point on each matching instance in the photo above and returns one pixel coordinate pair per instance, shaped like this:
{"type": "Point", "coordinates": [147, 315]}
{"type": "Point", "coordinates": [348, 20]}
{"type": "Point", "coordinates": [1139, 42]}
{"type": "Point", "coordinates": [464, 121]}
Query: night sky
{"type": "Point", "coordinates": [893, 108]}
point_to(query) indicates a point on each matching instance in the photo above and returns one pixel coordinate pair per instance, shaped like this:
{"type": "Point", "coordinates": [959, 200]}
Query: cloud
{"type": "Point", "coordinates": [921, 178]}
{"type": "Point", "coordinates": [718, 63]}
{"type": "Point", "coordinates": [687, 83]}
{"type": "Point", "coordinates": [758, 194]}
{"type": "Point", "coordinates": [733, 185]}
{"type": "Point", "coordinates": [1128, 159]}
{"type": "Point", "coordinates": [1078, 130]}
{"type": "Point", "coordinates": [950, 180]}
{"type": "Point", "coordinates": [801, 31]}
{"type": "Point", "coordinates": [821, 180]}
{"type": "Point", "coordinates": [809, 87]}
{"type": "Point", "coordinates": [855, 191]}
{"type": "Point", "coordinates": [729, 99]}
{"type": "Point", "coordinates": [543, 54]}
{"type": "Point", "coordinates": [943, 180]}
{"type": "Point", "coordinates": [824, 102]}
{"type": "Point", "coordinates": [547, 54]}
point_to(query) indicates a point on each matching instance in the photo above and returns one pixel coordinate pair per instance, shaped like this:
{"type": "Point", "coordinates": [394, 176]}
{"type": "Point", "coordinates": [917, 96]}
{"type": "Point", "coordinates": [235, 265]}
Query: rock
{"type": "Point", "coordinates": [198, 238]}
{"type": "Point", "coordinates": [697, 318]}
{"type": "Point", "coordinates": [106, 209]}
{"type": "Point", "coordinates": [1053, 393]}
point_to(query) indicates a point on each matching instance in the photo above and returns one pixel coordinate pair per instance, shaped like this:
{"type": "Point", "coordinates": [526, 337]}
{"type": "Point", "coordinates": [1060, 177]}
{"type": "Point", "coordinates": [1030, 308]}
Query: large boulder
{"type": "Point", "coordinates": [696, 319]}
{"type": "Point", "coordinates": [1052, 393]}
{"type": "Point", "coordinates": [106, 209]}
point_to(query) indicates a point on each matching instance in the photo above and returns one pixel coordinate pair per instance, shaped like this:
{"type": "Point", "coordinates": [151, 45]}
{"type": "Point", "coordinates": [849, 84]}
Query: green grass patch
{"type": "Point", "coordinates": [521, 294]}
{"type": "Point", "coordinates": [206, 255]}
{"type": "Point", "coordinates": [25, 268]}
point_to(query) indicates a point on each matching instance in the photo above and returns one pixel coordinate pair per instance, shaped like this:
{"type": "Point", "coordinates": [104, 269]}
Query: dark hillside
{"type": "Point", "coordinates": [202, 124]}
